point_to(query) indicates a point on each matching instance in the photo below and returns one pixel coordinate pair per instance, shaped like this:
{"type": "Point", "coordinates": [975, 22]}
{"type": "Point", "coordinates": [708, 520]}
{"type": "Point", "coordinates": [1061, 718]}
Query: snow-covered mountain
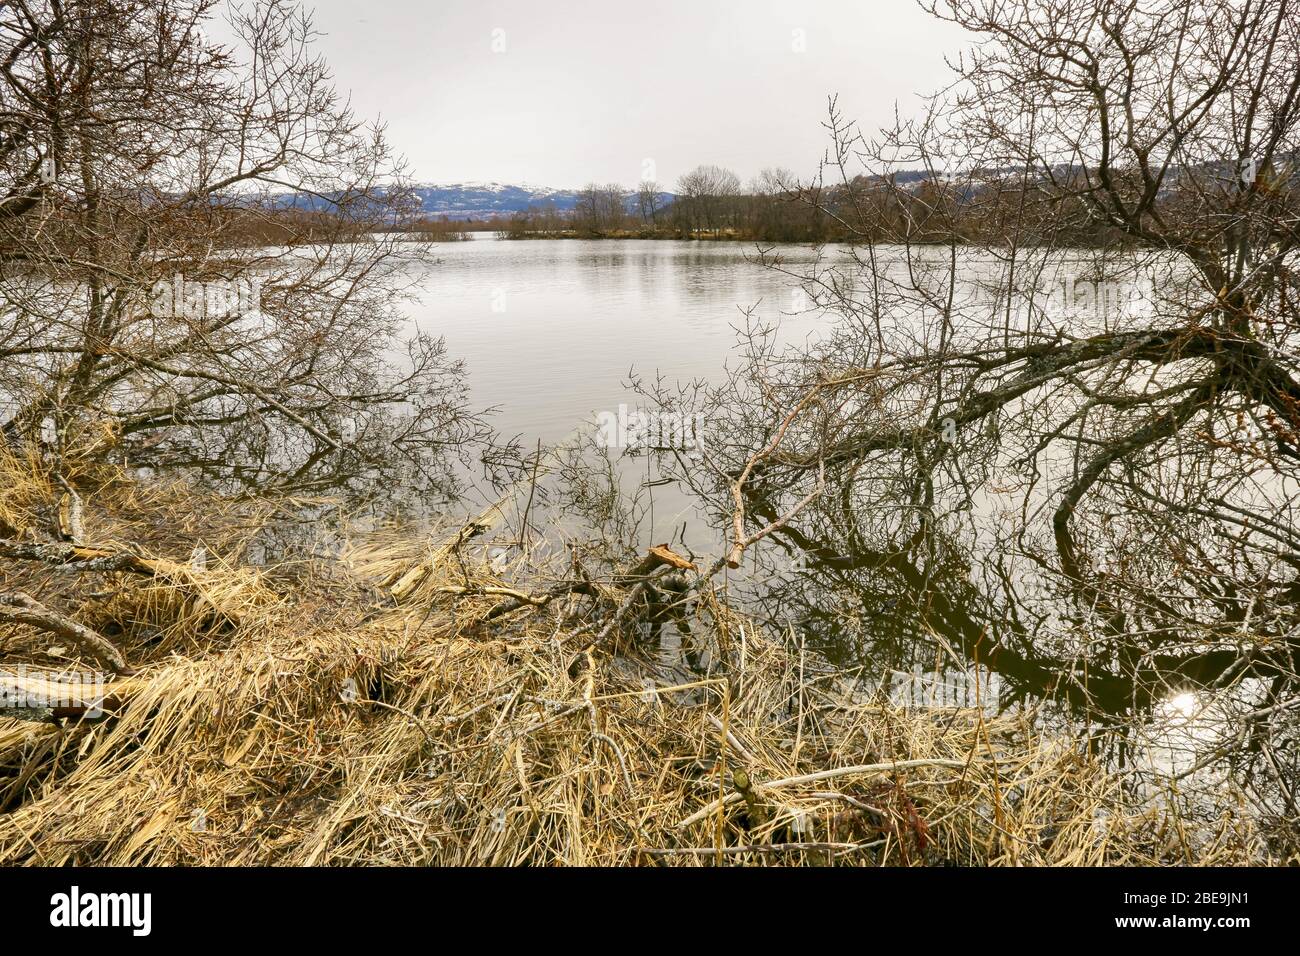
{"type": "Point", "coordinates": [476, 200]}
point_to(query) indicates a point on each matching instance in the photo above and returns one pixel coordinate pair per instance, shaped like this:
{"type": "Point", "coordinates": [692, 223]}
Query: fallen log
{"type": "Point", "coordinates": [77, 557]}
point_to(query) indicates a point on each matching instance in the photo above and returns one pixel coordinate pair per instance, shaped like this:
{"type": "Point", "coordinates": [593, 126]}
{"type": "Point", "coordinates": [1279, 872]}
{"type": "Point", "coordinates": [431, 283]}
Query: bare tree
{"type": "Point", "coordinates": [141, 316]}
{"type": "Point", "coordinates": [600, 210]}
{"type": "Point", "coordinates": [707, 198]}
{"type": "Point", "coordinates": [1092, 494]}
{"type": "Point", "coordinates": [647, 200]}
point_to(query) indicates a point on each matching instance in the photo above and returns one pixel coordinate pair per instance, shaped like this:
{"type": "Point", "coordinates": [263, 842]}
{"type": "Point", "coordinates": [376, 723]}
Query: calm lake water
{"type": "Point", "coordinates": [550, 329]}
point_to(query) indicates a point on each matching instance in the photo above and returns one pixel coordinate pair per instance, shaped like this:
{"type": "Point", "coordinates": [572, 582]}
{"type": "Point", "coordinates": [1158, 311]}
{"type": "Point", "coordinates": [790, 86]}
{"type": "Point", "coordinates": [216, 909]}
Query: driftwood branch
{"type": "Point", "coordinates": [657, 557]}
{"type": "Point", "coordinates": [19, 608]}
{"type": "Point", "coordinates": [77, 557]}
{"type": "Point", "coordinates": [518, 600]}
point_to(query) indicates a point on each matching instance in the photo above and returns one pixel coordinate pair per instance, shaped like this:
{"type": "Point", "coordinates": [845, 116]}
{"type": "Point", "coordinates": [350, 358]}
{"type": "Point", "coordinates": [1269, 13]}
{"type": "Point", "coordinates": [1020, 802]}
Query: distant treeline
{"type": "Point", "coordinates": [992, 207]}
{"type": "Point", "coordinates": [710, 203]}
{"type": "Point", "coordinates": [914, 206]}
{"type": "Point", "coordinates": [288, 227]}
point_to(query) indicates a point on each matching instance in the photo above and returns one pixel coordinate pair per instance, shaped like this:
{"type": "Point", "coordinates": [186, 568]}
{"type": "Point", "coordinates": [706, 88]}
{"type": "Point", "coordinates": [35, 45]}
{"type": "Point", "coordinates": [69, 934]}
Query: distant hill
{"type": "Point", "coordinates": [489, 200]}
{"type": "Point", "coordinates": [475, 200]}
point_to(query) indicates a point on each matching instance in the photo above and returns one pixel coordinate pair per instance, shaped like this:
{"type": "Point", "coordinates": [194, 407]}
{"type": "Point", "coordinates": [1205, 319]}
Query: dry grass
{"type": "Point", "coordinates": [297, 717]}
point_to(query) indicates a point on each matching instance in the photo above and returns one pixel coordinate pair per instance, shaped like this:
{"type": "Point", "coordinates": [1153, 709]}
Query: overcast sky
{"type": "Point", "coordinates": [559, 94]}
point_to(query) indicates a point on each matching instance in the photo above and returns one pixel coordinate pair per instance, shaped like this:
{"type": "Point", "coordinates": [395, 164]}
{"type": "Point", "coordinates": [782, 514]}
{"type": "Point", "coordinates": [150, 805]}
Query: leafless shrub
{"type": "Point", "coordinates": [142, 172]}
{"type": "Point", "coordinates": [1096, 504]}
